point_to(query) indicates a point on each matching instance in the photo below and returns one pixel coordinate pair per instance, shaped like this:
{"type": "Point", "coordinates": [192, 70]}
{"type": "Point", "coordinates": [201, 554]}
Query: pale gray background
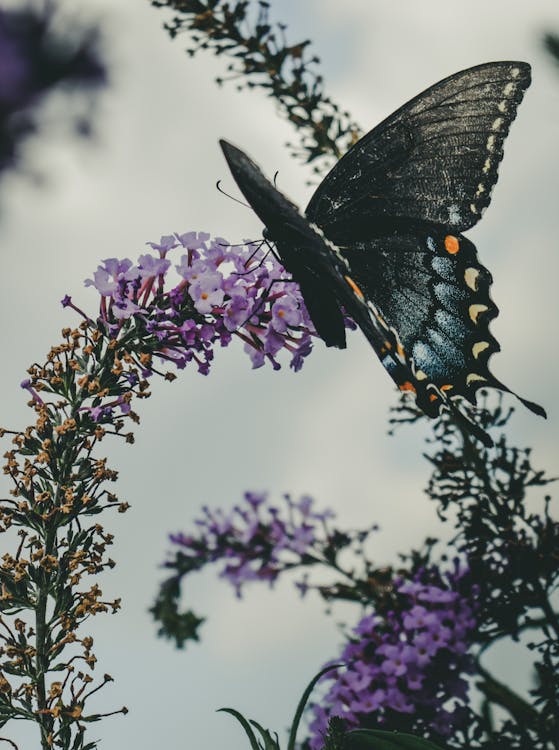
{"type": "Point", "coordinates": [322, 431]}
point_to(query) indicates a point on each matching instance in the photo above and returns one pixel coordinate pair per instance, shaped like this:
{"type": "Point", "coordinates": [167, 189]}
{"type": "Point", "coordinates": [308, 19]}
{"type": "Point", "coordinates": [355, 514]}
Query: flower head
{"type": "Point", "coordinates": [219, 292]}
{"type": "Point", "coordinates": [400, 660]}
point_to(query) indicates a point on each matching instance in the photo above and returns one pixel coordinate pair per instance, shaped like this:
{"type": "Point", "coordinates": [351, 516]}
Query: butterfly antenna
{"type": "Point", "coordinates": [263, 299]}
{"type": "Point", "coordinates": [250, 270]}
{"type": "Point", "coordinates": [218, 186]}
{"type": "Point", "coordinates": [239, 244]}
{"type": "Point", "coordinates": [276, 177]}
{"type": "Point", "coordinates": [273, 251]}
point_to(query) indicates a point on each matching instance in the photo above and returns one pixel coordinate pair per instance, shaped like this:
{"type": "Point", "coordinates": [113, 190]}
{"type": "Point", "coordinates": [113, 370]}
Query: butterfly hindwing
{"type": "Point", "coordinates": [435, 159]}
{"type": "Point", "coordinates": [429, 287]}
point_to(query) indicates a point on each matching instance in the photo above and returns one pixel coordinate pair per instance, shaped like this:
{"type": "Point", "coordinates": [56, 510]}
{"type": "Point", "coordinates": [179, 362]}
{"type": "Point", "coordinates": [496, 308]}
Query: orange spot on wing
{"type": "Point", "coordinates": [407, 386]}
{"type": "Point", "coordinates": [451, 244]}
{"type": "Point", "coordinates": [354, 286]}
{"type": "Point", "coordinates": [433, 397]}
{"type": "Point", "coordinates": [447, 387]}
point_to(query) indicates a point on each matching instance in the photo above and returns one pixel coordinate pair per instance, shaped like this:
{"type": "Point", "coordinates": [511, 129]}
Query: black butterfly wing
{"type": "Point", "coordinates": [435, 159]}
{"type": "Point", "coordinates": [430, 289]}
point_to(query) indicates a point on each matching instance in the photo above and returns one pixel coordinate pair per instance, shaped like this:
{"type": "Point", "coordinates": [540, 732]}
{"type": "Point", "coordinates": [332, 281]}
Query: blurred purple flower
{"type": "Point", "coordinates": [38, 54]}
{"type": "Point", "coordinates": [401, 660]}
{"type": "Point", "coordinates": [256, 540]}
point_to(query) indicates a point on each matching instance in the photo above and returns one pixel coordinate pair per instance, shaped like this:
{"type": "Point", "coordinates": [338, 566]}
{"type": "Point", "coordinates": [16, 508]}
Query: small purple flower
{"type": "Point", "coordinates": [192, 271]}
{"type": "Point", "coordinates": [397, 701]}
{"type": "Point", "coordinates": [369, 702]}
{"type": "Point", "coordinates": [273, 343]}
{"type": "Point", "coordinates": [103, 282]}
{"type": "Point", "coordinates": [436, 595]}
{"type": "Point", "coordinates": [394, 662]}
{"type": "Point", "coordinates": [367, 625]}
{"type": "Point", "coordinates": [150, 266]}
{"type": "Point", "coordinates": [206, 291]}
{"type": "Point", "coordinates": [125, 308]}
{"type": "Point", "coordinates": [194, 240]}
{"type": "Point", "coordinates": [407, 660]}
{"type": "Point", "coordinates": [256, 356]}
{"type": "Point", "coordinates": [285, 313]}
{"type": "Point", "coordinates": [235, 312]}
{"type": "Point", "coordinates": [166, 243]}
{"type": "Point", "coordinates": [419, 617]}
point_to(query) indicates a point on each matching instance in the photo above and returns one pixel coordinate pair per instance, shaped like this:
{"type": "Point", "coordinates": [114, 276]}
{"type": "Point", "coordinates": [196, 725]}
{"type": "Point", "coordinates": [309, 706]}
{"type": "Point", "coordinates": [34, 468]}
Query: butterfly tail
{"type": "Point", "coordinates": [535, 408]}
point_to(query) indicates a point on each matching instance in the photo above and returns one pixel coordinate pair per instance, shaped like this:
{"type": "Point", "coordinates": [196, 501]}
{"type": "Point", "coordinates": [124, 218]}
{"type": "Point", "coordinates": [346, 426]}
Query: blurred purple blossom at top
{"type": "Point", "coordinates": [38, 53]}
{"type": "Point", "coordinates": [207, 296]}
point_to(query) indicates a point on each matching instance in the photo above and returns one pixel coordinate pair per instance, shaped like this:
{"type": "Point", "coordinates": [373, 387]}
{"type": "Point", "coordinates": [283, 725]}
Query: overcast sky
{"type": "Point", "coordinates": [153, 171]}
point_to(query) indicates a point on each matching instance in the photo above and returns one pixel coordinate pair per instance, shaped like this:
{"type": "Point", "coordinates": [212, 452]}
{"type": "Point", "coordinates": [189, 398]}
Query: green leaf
{"type": "Point", "coordinates": [377, 739]}
{"type": "Point", "coordinates": [245, 725]}
{"type": "Point", "coordinates": [303, 703]}
{"type": "Point", "coordinates": [269, 742]}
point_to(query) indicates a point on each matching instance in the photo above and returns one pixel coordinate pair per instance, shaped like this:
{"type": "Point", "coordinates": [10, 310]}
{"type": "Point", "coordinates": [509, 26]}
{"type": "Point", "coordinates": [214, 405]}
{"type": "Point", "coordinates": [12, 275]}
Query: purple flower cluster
{"type": "Point", "coordinates": [219, 291]}
{"type": "Point", "coordinates": [257, 540]}
{"type": "Point", "coordinates": [406, 666]}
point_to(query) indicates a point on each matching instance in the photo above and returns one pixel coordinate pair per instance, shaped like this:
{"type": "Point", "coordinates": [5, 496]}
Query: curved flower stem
{"type": "Point", "coordinates": [498, 693]}
{"type": "Point", "coordinates": [551, 617]}
{"type": "Point", "coordinates": [41, 656]}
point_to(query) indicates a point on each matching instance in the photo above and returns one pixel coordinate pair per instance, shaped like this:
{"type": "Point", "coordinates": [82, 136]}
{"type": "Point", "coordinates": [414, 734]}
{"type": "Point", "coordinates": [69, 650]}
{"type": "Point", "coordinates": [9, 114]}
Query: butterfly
{"type": "Point", "coordinates": [381, 238]}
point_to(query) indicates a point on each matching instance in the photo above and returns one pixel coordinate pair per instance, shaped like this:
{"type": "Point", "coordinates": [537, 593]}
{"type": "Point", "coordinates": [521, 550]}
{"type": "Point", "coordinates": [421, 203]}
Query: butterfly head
{"type": "Point", "coordinates": [275, 211]}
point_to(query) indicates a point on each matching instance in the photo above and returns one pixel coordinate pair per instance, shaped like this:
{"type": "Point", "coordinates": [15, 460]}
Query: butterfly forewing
{"type": "Point", "coordinates": [435, 159]}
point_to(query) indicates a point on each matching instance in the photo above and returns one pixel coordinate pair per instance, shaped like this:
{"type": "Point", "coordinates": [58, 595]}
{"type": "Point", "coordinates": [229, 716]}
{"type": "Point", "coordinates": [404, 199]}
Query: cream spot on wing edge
{"type": "Point", "coordinates": [473, 377]}
{"type": "Point", "coordinates": [475, 310]}
{"type": "Point", "coordinates": [470, 277]}
{"type": "Point", "coordinates": [502, 106]}
{"type": "Point", "coordinates": [479, 347]}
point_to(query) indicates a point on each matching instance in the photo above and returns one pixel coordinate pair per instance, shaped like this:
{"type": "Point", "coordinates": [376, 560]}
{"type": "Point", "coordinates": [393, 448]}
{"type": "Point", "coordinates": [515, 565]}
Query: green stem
{"type": "Point", "coordinates": [41, 658]}
{"type": "Point", "coordinates": [551, 617]}
{"type": "Point", "coordinates": [496, 692]}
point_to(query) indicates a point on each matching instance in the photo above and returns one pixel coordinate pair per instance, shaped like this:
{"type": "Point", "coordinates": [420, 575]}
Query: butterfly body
{"type": "Point", "coordinates": [381, 238]}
